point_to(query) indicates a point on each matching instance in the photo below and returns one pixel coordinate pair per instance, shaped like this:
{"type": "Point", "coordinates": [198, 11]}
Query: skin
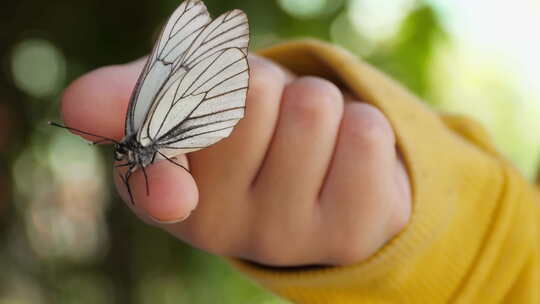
{"type": "Point", "coordinates": [310, 176]}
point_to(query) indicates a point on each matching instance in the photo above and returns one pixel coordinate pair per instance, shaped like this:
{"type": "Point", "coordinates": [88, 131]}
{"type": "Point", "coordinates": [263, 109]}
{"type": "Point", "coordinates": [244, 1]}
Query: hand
{"type": "Point", "coordinates": [307, 177]}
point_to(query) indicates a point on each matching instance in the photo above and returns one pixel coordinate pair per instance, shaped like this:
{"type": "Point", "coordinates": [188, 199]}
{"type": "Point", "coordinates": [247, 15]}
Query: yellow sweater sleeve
{"type": "Point", "coordinates": [473, 236]}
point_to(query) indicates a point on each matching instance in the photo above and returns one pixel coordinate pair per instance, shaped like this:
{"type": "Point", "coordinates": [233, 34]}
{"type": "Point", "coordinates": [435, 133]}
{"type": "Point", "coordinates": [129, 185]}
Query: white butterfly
{"type": "Point", "coordinates": [192, 90]}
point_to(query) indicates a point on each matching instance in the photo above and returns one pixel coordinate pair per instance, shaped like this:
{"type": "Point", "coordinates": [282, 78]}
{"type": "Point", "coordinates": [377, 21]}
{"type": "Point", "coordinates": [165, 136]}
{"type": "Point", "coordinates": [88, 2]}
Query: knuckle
{"type": "Point", "coordinates": [264, 248]}
{"type": "Point", "coordinates": [350, 247]}
{"type": "Point", "coordinates": [312, 99]}
{"type": "Point", "coordinates": [264, 76]}
{"type": "Point", "coordinates": [364, 125]}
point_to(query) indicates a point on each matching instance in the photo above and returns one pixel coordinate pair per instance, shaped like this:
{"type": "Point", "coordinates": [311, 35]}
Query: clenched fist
{"type": "Point", "coordinates": [309, 176]}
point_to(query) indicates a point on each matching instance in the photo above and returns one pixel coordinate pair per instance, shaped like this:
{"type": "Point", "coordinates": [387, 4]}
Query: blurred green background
{"type": "Point", "coordinates": [64, 235]}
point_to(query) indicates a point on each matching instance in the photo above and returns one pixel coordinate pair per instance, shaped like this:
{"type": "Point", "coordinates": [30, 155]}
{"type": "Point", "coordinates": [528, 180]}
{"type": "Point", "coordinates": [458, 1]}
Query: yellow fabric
{"type": "Point", "coordinates": [473, 236]}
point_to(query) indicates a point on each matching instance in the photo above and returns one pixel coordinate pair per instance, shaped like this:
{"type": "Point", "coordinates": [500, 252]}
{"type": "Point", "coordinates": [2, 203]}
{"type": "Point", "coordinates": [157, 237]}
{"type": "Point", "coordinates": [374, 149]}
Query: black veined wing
{"type": "Point", "coordinates": [182, 28]}
{"type": "Point", "coordinates": [191, 92]}
{"type": "Point", "coordinates": [204, 97]}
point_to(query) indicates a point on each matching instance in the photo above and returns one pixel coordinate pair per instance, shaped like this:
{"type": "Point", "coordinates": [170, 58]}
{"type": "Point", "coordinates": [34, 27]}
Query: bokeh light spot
{"type": "Point", "coordinates": [378, 20]}
{"type": "Point", "coordinates": [72, 160]}
{"type": "Point", "coordinates": [306, 9]}
{"type": "Point", "coordinates": [38, 67]}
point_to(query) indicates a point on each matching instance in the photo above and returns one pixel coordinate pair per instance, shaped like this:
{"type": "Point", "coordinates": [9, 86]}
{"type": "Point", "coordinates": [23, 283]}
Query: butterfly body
{"type": "Point", "coordinates": [133, 153]}
{"type": "Point", "coordinates": [192, 90]}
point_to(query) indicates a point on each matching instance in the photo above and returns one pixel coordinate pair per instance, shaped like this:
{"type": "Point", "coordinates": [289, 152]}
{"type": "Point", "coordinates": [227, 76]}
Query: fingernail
{"type": "Point", "coordinates": [169, 222]}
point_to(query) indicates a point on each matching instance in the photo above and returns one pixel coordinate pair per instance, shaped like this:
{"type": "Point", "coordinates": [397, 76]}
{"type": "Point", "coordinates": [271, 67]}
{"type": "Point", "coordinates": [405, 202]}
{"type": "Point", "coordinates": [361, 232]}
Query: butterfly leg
{"type": "Point", "coordinates": [146, 180]}
{"type": "Point", "coordinates": [125, 179]}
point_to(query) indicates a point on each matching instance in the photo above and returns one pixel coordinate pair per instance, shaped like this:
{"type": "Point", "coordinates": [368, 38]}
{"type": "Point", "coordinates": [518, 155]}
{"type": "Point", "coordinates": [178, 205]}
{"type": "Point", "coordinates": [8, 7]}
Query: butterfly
{"type": "Point", "coordinates": [191, 92]}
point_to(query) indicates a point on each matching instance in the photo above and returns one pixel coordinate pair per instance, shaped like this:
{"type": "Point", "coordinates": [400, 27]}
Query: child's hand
{"type": "Point", "coordinates": [305, 178]}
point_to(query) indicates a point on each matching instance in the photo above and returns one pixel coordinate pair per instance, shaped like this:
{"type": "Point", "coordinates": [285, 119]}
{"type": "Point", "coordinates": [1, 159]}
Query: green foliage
{"type": "Point", "coordinates": [408, 57]}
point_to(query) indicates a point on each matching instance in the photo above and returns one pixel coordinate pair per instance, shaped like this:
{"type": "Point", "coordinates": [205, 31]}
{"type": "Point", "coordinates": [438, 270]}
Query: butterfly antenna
{"type": "Point", "coordinates": [54, 124]}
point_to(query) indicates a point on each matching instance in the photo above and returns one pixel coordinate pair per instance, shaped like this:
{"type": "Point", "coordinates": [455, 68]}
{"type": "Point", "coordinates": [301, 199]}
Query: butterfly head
{"type": "Point", "coordinates": [120, 151]}
{"type": "Point", "coordinates": [131, 151]}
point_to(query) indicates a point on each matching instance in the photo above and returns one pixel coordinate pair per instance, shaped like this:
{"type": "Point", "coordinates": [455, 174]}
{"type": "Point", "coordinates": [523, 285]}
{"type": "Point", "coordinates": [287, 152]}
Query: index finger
{"type": "Point", "coordinates": [97, 102]}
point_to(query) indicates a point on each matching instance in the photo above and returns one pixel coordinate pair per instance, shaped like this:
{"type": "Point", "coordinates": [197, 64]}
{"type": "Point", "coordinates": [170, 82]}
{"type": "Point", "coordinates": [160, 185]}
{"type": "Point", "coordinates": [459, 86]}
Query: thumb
{"type": "Point", "coordinates": [172, 191]}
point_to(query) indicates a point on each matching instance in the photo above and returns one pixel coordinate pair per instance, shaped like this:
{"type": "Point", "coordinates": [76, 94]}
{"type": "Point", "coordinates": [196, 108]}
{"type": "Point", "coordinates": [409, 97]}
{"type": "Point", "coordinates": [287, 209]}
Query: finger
{"type": "Point", "coordinates": [172, 192]}
{"type": "Point", "coordinates": [224, 171]}
{"type": "Point", "coordinates": [97, 102]}
{"type": "Point", "coordinates": [360, 182]}
{"type": "Point", "coordinates": [304, 140]}
{"type": "Point", "coordinates": [239, 157]}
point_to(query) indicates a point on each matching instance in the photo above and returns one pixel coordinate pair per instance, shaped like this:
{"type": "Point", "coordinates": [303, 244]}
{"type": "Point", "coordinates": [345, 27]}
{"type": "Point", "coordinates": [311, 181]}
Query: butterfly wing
{"type": "Point", "coordinates": [205, 96]}
{"type": "Point", "coordinates": [182, 28]}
